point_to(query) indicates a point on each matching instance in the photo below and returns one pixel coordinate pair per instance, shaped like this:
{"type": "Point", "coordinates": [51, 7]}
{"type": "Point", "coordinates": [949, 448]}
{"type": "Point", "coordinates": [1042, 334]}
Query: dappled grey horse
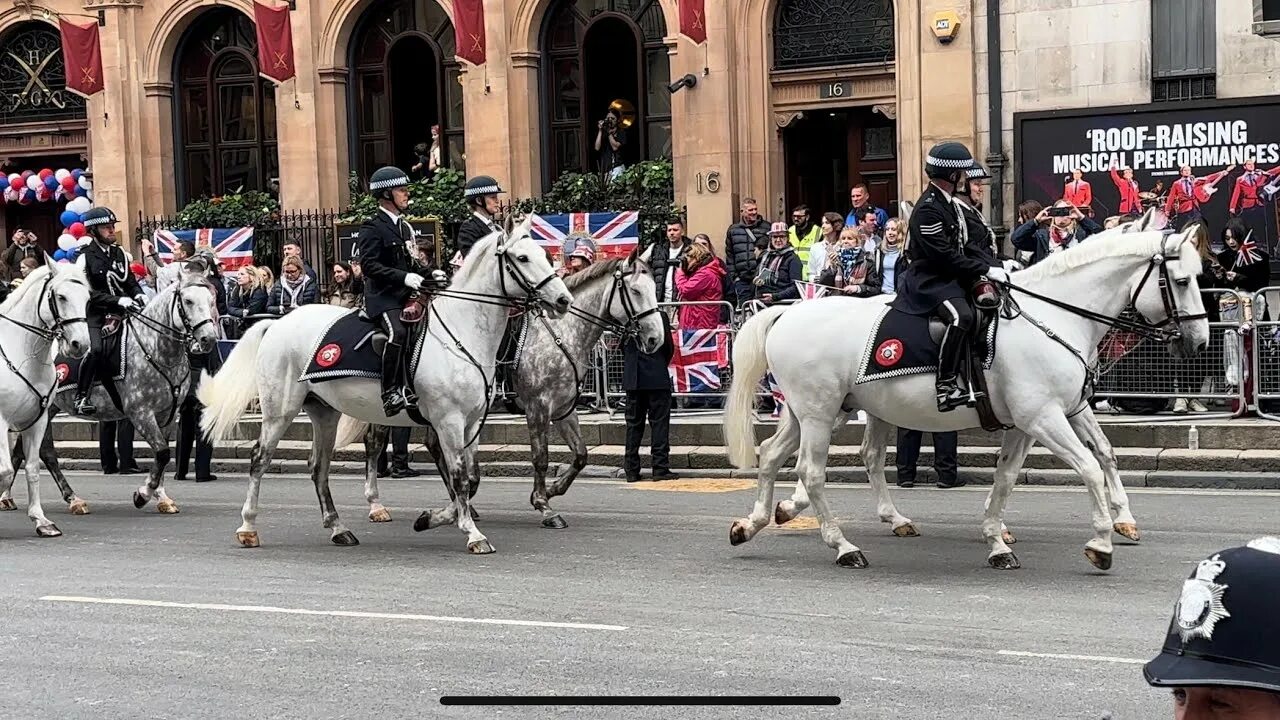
{"type": "Point", "coordinates": [155, 382]}
{"type": "Point", "coordinates": [555, 353]}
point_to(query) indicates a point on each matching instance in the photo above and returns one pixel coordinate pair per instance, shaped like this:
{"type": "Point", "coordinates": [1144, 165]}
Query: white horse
{"type": "Point", "coordinates": [49, 305]}
{"type": "Point", "coordinates": [1037, 382]}
{"type": "Point", "coordinates": [453, 378]}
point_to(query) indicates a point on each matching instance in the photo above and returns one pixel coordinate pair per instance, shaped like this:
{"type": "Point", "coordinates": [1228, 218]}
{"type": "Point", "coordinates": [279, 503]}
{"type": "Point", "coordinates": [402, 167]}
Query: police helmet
{"type": "Point", "coordinates": [977, 172]}
{"type": "Point", "coordinates": [97, 216]}
{"type": "Point", "coordinates": [480, 186]}
{"type": "Point", "coordinates": [945, 159]}
{"type": "Point", "coordinates": [1225, 630]}
{"type": "Point", "coordinates": [386, 178]}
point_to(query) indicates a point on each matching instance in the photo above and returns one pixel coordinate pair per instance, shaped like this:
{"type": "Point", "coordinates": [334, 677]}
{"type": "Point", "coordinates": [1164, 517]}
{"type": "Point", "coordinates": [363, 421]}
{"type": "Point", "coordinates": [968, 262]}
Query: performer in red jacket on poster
{"type": "Point", "coordinates": [1130, 201]}
{"type": "Point", "coordinates": [1245, 196]}
{"type": "Point", "coordinates": [1189, 192]}
{"type": "Point", "coordinates": [1078, 192]}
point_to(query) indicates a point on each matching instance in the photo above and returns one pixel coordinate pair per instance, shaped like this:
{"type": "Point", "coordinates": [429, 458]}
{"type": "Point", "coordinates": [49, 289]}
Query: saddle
{"type": "Point", "coordinates": [904, 344]}
{"type": "Point", "coordinates": [352, 346]}
{"type": "Point", "coordinates": [113, 365]}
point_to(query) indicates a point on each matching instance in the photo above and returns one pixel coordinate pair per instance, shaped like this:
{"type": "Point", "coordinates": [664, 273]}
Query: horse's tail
{"type": "Point", "coordinates": [226, 396]}
{"type": "Point", "coordinates": [349, 431]}
{"type": "Point", "coordinates": [749, 367]}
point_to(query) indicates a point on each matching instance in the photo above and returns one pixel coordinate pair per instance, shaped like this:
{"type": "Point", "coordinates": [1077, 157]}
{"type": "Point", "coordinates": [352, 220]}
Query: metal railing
{"type": "Point", "coordinates": [1264, 350]}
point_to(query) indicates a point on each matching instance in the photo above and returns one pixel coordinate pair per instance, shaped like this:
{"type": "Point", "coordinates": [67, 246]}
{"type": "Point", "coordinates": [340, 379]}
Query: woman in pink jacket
{"type": "Point", "coordinates": [699, 279]}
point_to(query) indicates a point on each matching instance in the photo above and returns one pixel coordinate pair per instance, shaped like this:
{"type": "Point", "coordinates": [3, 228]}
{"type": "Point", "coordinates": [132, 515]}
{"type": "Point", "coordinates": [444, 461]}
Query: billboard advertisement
{"type": "Point", "coordinates": [1217, 159]}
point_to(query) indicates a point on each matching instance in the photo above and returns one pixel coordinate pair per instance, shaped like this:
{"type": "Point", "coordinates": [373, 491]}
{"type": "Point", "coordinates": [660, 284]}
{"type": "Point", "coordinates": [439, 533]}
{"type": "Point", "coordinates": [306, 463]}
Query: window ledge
{"type": "Point", "coordinates": [1267, 28]}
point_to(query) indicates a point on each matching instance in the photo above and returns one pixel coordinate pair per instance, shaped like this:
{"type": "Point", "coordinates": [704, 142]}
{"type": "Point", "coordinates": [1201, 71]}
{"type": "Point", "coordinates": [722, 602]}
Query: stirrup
{"type": "Point", "coordinates": [949, 395]}
{"type": "Point", "coordinates": [393, 403]}
{"type": "Point", "coordinates": [410, 397]}
{"type": "Point", "coordinates": [82, 406]}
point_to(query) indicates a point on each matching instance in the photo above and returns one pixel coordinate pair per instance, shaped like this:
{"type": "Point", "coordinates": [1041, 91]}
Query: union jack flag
{"type": "Point", "coordinates": [810, 291]}
{"type": "Point", "coordinates": [615, 234]}
{"type": "Point", "coordinates": [775, 392]}
{"type": "Point", "coordinates": [699, 355]}
{"type": "Point", "coordinates": [1247, 253]}
{"type": "Point", "coordinates": [232, 246]}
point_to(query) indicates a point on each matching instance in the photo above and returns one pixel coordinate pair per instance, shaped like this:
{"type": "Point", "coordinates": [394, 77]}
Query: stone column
{"type": "Point", "coordinates": [331, 132]}
{"type": "Point", "coordinates": [115, 135]}
{"type": "Point", "coordinates": [947, 85]}
{"type": "Point", "coordinates": [525, 123]}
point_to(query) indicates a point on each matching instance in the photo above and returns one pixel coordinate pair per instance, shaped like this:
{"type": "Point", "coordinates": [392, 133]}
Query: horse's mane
{"type": "Point", "coordinates": [482, 246]}
{"type": "Point", "coordinates": [35, 278]}
{"type": "Point", "coordinates": [592, 272]}
{"type": "Point", "coordinates": [1110, 244]}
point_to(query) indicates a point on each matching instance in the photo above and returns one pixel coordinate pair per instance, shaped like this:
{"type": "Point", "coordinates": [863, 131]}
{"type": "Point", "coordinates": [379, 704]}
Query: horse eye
{"type": "Point", "coordinates": [62, 298]}
{"type": "Point", "coordinates": [1183, 282]}
{"type": "Point", "coordinates": [522, 258]}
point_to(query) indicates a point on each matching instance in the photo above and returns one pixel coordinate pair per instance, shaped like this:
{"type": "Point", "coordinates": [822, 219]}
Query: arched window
{"type": "Point", "coordinates": [809, 33]}
{"type": "Point", "coordinates": [32, 79]}
{"type": "Point", "coordinates": [594, 52]}
{"type": "Point", "coordinates": [226, 136]}
{"type": "Point", "coordinates": [404, 79]}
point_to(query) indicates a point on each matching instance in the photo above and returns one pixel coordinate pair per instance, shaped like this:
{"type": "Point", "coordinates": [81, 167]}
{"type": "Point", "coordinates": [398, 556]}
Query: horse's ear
{"type": "Point", "coordinates": [509, 224]}
{"type": "Point", "coordinates": [49, 263]}
{"type": "Point", "coordinates": [1145, 221]}
{"type": "Point", "coordinates": [648, 252]}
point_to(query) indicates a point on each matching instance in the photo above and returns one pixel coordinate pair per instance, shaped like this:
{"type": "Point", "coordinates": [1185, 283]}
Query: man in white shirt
{"type": "Point", "coordinates": [166, 275]}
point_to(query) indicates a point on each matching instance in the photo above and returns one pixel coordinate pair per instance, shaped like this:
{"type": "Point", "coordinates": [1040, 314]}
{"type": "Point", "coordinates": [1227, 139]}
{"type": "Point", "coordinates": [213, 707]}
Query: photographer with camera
{"type": "Point", "coordinates": [22, 246]}
{"type": "Point", "coordinates": [1053, 229]}
{"type": "Point", "coordinates": [610, 138]}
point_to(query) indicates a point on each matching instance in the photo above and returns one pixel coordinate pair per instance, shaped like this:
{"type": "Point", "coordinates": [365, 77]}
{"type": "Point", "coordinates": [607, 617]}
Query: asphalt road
{"type": "Point", "coordinates": [644, 592]}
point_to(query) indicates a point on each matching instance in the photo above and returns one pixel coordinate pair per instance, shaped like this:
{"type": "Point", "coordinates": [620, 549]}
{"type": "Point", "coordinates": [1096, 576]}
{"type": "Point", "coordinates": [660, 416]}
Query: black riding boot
{"type": "Point", "coordinates": [88, 369]}
{"type": "Point", "coordinates": [950, 395]}
{"type": "Point", "coordinates": [393, 400]}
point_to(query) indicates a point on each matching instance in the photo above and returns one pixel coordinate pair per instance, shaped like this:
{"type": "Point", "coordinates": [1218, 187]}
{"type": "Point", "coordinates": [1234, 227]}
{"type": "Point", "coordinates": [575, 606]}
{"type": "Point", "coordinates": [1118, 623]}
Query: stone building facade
{"type": "Point", "coordinates": [795, 99]}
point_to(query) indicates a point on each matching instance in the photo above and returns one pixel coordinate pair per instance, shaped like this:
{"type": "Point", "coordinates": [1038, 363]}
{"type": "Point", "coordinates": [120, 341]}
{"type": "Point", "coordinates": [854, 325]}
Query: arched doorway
{"type": "Point", "coordinates": [844, 131]}
{"type": "Point", "coordinates": [405, 79]}
{"type": "Point", "coordinates": [596, 51]}
{"type": "Point", "coordinates": [225, 139]}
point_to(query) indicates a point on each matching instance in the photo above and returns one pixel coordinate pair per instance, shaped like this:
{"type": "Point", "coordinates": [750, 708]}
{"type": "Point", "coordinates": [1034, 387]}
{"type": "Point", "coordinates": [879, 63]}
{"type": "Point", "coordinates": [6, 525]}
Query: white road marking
{"type": "Point", "coordinates": [1082, 658]}
{"type": "Point", "coordinates": [329, 613]}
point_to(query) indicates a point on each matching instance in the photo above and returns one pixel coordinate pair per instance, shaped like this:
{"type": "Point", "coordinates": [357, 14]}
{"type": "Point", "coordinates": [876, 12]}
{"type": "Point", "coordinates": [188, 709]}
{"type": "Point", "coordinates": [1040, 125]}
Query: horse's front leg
{"type": "Point", "coordinates": [32, 437]}
{"type": "Point", "coordinates": [1014, 447]}
{"type": "Point", "coordinates": [158, 440]}
{"type": "Point", "coordinates": [1090, 433]}
{"type": "Point", "coordinates": [49, 456]}
{"type": "Point", "coordinates": [465, 479]}
{"type": "Point", "coordinates": [375, 438]}
{"type": "Point", "coordinates": [539, 498]}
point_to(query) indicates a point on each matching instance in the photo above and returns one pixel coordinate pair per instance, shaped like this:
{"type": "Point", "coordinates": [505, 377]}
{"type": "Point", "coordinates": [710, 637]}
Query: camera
{"type": "Point", "coordinates": [1059, 211]}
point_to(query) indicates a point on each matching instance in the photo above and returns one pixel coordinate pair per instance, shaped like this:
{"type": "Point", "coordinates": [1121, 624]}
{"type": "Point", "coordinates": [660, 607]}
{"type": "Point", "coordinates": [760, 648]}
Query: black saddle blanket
{"type": "Point", "coordinates": [114, 366]}
{"type": "Point", "coordinates": [901, 345]}
{"type": "Point", "coordinates": [348, 349]}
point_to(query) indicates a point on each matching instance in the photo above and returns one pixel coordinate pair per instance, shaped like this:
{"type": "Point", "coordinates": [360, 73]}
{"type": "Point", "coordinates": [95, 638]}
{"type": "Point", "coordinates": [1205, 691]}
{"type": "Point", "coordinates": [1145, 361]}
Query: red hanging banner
{"type": "Point", "coordinates": [693, 20]}
{"type": "Point", "coordinates": [468, 24]}
{"type": "Point", "coordinates": [82, 56]}
{"type": "Point", "coordinates": [275, 41]}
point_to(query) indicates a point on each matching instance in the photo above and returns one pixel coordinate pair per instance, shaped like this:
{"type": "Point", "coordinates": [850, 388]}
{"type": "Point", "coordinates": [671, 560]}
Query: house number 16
{"type": "Point", "coordinates": [709, 181]}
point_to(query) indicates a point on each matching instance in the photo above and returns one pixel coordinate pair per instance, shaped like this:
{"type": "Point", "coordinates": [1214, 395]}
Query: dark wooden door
{"type": "Point", "coordinates": [828, 152]}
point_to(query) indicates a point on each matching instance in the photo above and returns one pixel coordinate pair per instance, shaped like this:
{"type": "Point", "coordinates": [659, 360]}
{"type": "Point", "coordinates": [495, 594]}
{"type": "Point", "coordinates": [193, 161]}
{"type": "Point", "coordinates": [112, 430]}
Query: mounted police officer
{"type": "Point", "coordinates": [481, 194]}
{"type": "Point", "coordinates": [940, 274]}
{"type": "Point", "coordinates": [113, 291]}
{"type": "Point", "coordinates": [390, 278]}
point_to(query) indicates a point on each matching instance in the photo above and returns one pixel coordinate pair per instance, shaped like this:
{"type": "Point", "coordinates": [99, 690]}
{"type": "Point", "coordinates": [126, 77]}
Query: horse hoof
{"type": "Point", "coordinates": [346, 538]}
{"type": "Point", "coordinates": [139, 501]}
{"type": "Point", "coordinates": [853, 559]}
{"type": "Point", "coordinates": [166, 507]}
{"type": "Point", "coordinates": [1098, 559]}
{"type": "Point", "coordinates": [78, 507]}
{"type": "Point", "coordinates": [1004, 561]}
{"type": "Point", "coordinates": [480, 547]}
{"type": "Point", "coordinates": [782, 517]}
{"type": "Point", "coordinates": [738, 533]}
{"type": "Point", "coordinates": [1008, 537]}
{"type": "Point", "coordinates": [48, 531]}
{"type": "Point", "coordinates": [8, 504]}
{"type": "Point", "coordinates": [555, 522]}
{"type": "Point", "coordinates": [1128, 530]}
{"type": "Point", "coordinates": [247, 539]}
{"type": "Point", "coordinates": [423, 522]}
{"type": "Point", "coordinates": [907, 530]}
{"type": "Point", "coordinates": [380, 515]}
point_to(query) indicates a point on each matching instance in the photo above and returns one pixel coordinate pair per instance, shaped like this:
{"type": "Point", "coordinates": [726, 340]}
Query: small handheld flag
{"type": "Point", "coordinates": [810, 291]}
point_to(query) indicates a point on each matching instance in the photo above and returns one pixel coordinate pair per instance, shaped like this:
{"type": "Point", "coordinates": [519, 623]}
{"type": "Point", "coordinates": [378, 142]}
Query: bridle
{"type": "Point", "coordinates": [54, 332]}
{"type": "Point", "coordinates": [186, 338]}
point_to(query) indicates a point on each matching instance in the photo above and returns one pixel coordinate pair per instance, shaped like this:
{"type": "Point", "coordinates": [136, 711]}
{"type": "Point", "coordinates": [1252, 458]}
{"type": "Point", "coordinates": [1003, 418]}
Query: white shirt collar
{"type": "Point", "coordinates": [483, 218]}
{"type": "Point", "coordinates": [394, 217]}
{"type": "Point", "coordinates": [945, 194]}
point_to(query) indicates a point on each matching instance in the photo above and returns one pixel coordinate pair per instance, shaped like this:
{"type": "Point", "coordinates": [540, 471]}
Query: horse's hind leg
{"type": "Point", "coordinates": [1014, 447]}
{"type": "Point", "coordinates": [773, 453]}
{"type": "Point", "coordinates": [375, 438]}
{"type": "Point", "coordinates": [1090, 433]}
{"type": "Point", "coordinates": [811, 466]}
{"type": "Point", "coordinates": [324, 428]}
{"type": "Point", "coordinates": [273, 429]}
{"type": "Point", "coordinates": [158, 439]}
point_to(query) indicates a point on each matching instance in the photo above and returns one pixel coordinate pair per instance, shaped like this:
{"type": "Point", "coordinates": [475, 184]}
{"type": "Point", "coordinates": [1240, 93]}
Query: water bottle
{"type": "Point", "coordinates": [1193, 438]}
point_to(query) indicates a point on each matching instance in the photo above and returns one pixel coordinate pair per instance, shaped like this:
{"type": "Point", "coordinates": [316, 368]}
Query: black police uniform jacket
{"type": "Point", "coordinates": [938, 269]}
{"type": "Point", "coordinates": [384, 263]}
{"type": "Point", "coordinates": [648, 372]}
{"type": "Point", "coordinates": [473, 230]}
{"type": "Point", "coordinates": [980, 242]}
{"type": "Point", "coordinates": [109, 279]}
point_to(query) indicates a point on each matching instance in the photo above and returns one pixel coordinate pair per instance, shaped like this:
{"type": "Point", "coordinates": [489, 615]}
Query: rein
{"type": "Point", "coordinates": [185, 338]}
{"type": "Point", "coordinates": [47, 335]}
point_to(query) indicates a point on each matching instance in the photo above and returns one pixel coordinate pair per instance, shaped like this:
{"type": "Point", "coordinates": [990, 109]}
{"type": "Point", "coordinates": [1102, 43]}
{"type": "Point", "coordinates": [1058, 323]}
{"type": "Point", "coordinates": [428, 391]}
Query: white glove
{"type": "Point", "coordinates": [997, 274]}
{"type": "Point", "coordinates": [438, 277]}
{"type": "Point", "coordinates": [1012, 265]}
{"type": "Point", "coordinates": [413, 281]}
{"type": "Point", "coordinates": [125, 303]}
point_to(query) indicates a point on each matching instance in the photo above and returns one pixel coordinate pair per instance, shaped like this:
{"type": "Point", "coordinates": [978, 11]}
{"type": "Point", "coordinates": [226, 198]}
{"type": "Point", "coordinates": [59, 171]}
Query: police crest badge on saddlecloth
{"type": "Point", "coordinates": [1200, 607]}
